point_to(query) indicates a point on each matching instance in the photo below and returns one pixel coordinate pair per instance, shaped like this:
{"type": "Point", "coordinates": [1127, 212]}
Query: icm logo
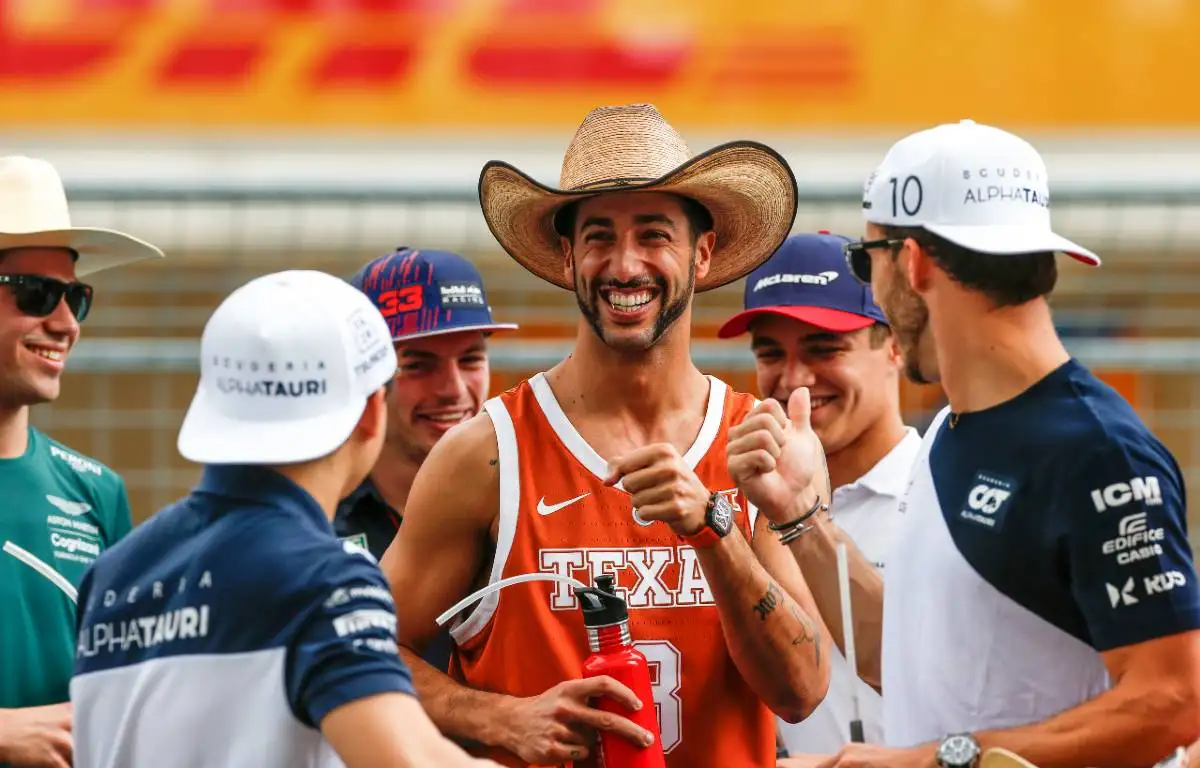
{"type": "Point", "coordinates": [988, 499]}
{"type": "Point", "coordinates": [1164, 582]}
{"type": "Point", "coordinates": [1143, 489]}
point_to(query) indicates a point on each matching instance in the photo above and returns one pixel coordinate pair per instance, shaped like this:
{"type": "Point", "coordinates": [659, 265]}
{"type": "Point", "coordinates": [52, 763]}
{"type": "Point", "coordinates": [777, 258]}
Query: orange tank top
{"type": "Point", "coordinates": [557, 516]}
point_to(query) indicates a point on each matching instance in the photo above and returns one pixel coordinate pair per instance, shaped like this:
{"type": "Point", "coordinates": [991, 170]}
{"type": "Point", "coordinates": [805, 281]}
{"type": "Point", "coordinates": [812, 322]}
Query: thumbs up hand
{"type": "Point", "coordinates": [774, 457]}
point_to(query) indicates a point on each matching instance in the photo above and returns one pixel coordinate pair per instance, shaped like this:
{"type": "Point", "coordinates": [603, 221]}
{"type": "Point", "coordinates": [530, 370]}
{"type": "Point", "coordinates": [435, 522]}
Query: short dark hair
{"type": "Point", "coordinates": [699, 218]}
{"type": "Point", "coordinates": [879, 334]}
{"type": "Point", "coordinates": [1007, 280]}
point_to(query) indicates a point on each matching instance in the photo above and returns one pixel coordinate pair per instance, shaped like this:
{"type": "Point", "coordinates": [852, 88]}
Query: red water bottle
{"type": "Point", "coordinates": [613, 654]}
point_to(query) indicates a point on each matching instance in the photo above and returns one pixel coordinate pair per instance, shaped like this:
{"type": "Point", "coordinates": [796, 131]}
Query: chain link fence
{"type": "Point", "coordinates": [132, 376]}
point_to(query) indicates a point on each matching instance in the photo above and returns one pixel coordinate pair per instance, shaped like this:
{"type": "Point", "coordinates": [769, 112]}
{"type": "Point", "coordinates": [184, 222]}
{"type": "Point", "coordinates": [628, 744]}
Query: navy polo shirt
{"type": "Point", "coordinates": [365, 519]}
{"type": "Point", "coordinates": [222, 631]}
{"type": "Point", "coordinates": [1037, 535]}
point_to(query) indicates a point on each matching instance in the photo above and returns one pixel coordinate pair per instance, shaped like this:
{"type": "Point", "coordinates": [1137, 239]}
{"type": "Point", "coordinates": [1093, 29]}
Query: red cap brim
{"type": "Point", "coordinates": [826, 319]}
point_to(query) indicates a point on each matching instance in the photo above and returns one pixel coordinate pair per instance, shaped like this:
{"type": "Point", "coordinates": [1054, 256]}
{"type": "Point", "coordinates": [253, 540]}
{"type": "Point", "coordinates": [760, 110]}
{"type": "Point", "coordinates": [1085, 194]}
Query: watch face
{"type": "Point", "coordinates": [958, 750]}
{"type": "Point", "coordinates": [721, 515]}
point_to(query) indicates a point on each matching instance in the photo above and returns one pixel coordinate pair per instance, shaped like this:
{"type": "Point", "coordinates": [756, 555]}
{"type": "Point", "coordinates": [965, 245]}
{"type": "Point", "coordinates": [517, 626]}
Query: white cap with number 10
{"type": "Point", "coordinates": [977, 186]}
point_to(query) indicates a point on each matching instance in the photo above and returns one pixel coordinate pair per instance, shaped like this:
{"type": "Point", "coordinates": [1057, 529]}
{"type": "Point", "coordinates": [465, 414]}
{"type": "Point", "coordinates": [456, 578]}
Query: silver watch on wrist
{"type": "Point", "coordinates": [958, 750]}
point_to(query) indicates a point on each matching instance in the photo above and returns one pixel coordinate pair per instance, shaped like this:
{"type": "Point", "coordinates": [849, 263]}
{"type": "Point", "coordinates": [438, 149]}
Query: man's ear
{"type": "Point", "coordinates": [373, 421]}
{"type": "Point", "coordinates": [917, 265]}
{"type": "Point", "coordinates": [568, 259]}
{"type": "Point", "coordinates": [704, 248]}
{"type": "Point", "coordinates": [895, 356]}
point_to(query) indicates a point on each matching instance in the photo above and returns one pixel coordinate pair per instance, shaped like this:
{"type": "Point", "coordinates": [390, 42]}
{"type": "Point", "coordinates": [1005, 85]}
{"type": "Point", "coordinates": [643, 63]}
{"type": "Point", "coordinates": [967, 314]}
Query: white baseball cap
{"type": "Point", "coordinates": [287, 363]}
{"type": "Point", "coordinates": [977, 186]}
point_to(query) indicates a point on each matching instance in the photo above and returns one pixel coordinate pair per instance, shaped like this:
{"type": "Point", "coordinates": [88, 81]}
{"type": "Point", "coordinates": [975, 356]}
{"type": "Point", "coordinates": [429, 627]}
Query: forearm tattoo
{"type": "Point", "coordinates": [769, 602]}
{"type": "Point", "coordinates": [808, 632]}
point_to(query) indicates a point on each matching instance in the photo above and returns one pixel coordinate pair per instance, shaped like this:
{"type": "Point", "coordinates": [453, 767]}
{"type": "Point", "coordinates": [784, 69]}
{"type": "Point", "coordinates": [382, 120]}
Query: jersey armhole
{"type": "Point", "coordinates": [509, 468]}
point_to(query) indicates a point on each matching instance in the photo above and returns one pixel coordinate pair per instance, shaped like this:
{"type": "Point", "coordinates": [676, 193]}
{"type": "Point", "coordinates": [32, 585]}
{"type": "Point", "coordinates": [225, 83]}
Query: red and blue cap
{"type": "Point", "coordinates": [807, 279]}
{"type": "Point", "coordinates": [427, 293]}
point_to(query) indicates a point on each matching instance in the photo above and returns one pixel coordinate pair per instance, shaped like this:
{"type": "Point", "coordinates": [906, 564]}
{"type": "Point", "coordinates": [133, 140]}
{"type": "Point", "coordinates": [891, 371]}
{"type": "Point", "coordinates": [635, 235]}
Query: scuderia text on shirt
{"type": "Point", "coordinates": [151, 629]}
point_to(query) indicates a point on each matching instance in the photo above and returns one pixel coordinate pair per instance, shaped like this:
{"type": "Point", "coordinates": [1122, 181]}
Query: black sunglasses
{"type": "Point", "coordinates": [858, 256]}
{"type": "Point", "coordinates": [38, 296]}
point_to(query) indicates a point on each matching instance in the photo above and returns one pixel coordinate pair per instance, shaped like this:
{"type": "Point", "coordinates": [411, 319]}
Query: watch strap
{"type": "Point", "coordinates": [707, 536]}
{"type": "Point", "coordinates": [702, 539]}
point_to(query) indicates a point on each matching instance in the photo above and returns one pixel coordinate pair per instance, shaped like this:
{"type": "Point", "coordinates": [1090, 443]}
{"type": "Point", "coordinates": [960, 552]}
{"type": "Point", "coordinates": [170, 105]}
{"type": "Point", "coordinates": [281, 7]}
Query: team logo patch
{"type": "Point", "coordinates": [461, 294]}
{"type": "Point", "coordinates": [989, 499]}
{"type": "Point", "coordinates": [358, 540]}
{"type": "Point", "coordinates": [73, 508]}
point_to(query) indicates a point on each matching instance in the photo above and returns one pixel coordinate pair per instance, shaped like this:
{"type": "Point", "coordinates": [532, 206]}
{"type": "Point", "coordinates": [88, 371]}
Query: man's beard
{"type": "Point", "coordinates": [670, 312]}
{"type": "Point", "coordinates": [908, 315]}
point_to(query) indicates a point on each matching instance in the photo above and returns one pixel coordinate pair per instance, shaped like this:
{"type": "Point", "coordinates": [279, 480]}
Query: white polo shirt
{"type": "Point", "coordinates": [867, 510]}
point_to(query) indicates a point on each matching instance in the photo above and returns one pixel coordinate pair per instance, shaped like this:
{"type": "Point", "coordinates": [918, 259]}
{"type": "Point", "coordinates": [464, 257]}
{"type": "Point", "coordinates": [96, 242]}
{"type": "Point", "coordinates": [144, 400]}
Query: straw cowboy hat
{"type": "Point", "coordinates": [33, 213]}
{"type": "Point", "coordinates": [747, 187]}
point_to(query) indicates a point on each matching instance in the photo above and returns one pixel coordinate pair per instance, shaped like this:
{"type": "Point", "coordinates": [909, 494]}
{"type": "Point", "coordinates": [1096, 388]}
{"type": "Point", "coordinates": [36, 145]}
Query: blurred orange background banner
{"type": "Point", "coordinates": [404, 65]}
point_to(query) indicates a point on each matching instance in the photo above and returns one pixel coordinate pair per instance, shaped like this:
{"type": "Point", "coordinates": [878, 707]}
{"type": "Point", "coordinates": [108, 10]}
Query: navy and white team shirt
{"type": "Point", "coordinates": [222, 631]}
{"type": "Point", "coordinates": [1037, 534]}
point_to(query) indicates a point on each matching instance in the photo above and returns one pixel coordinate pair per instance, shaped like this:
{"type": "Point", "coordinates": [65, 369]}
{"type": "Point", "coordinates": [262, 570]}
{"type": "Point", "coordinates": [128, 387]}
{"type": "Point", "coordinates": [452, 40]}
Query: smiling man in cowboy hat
{"type": "Point", "coordinates": [60, 509]}
{"type": "Point", "coordinates": [614, 461]}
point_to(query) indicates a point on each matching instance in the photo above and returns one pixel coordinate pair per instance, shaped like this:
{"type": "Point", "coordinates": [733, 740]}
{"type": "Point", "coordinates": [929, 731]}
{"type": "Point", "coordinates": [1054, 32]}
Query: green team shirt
{"type": "Point", "coordinates": [64, 508]}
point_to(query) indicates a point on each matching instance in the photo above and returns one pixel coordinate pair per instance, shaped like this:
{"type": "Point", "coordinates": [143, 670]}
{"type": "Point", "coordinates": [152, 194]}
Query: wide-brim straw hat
{"type": "Point", "coordinates": [747, 187]}
{"type": "Point", "coordinates": [34, 214]}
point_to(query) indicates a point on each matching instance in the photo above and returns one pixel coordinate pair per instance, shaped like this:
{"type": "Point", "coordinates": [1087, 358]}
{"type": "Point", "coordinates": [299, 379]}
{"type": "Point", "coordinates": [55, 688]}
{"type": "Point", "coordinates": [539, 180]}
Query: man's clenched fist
{"type": "Point", "coordinates": [774, 457]}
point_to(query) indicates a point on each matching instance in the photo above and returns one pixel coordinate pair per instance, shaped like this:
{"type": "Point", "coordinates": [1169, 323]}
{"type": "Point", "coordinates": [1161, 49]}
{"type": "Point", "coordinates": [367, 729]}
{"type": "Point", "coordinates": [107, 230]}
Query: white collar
{"type": "Point", "coordinates": [889, 476]}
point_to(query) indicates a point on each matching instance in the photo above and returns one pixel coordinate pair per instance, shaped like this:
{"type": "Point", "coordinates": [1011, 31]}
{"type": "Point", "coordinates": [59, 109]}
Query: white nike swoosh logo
{"type": "Point", "coordinates": [544, 510]}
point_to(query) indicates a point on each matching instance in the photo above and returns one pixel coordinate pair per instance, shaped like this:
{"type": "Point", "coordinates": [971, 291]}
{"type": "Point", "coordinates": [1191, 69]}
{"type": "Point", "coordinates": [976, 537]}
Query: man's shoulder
{"type": "Point", "coordinates": [277, 540]}
{"type": "Point", "coordinates": [75, 483]}
{"type": "Point", "coordinates": [467, 447]}
{"type": "Point", "coordinates": [1087, 417]}
{"type": "Point", "coordinates": [740, 402]}
{"type": "Point", "coordinates": [265, 550]}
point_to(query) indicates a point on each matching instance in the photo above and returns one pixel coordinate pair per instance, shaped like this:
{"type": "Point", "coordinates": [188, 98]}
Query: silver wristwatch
{"type": "Point", "coordinates": [958, 750]}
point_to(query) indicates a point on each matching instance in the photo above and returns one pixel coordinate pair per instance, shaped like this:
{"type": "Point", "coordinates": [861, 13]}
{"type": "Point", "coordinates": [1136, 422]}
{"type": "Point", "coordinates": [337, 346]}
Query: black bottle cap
{"type": "Point", "coordinates": [601, 607]}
